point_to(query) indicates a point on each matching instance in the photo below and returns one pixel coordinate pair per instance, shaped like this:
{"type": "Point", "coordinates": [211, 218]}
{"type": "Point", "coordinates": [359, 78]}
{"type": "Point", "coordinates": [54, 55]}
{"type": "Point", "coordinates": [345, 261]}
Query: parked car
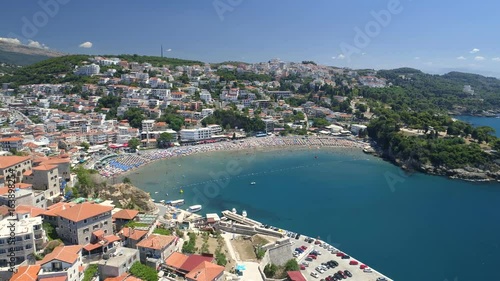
{"type": "Point", "coordinates": [302, 267]}
{"type": "Point", "coordinates": [381, 279]}
{"type": "Point", "coordinates": [353, 262]}
{"type": "Point", "coordinates": [367, 270]}
{"type": "Point", "coordinates": [314, 274]}
{"type": "Point", "coordinates": [312, 257]}
{"type": "Point", "coordinates": [309, 259]}
{"type": "Point", "coordinates": [306, 264]}
{"type": "Point", "coordinates": [303, 247]}
{"type": "Point", "coordinates": [340, 254]}
{"type": "Point", "coordinates": [348, 273]}
{"type": "Point", "coordinates": [345, 257]}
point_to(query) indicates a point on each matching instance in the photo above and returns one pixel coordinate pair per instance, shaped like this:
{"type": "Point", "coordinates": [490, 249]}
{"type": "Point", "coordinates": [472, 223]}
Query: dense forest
{"type": "Point", "coordinates": [157, 61]}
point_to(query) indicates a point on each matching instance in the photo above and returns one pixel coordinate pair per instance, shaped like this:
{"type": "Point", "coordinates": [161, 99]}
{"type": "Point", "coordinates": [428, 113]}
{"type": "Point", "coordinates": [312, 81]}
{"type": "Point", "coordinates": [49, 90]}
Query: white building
{"type": "Point", "coordinates": [147, 125]}
{"type": "Point", "coordinates": [28, 235]}
{"type": "Point", "coordinates": [355, 129]}
{"type": "Point", "coordinates": [88, 70]}
{"type": "Point", "coordinates": [206, 96]}
{"type": "Point", "coordinates": [195, 134]}
{"type": "Point", "coordinates": [216, 129]}
{"type": "Point", "coordinates": [206, 112]}
{"type": "Point", "coordinates": [63, 262]}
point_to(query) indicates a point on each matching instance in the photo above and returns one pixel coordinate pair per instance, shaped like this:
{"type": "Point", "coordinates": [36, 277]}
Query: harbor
{"type": "Point", "coordinates": [317, 259]}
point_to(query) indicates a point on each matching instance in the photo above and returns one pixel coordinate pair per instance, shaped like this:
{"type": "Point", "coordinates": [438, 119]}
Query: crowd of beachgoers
{"type": "Point", "coordinates": [127, 162]}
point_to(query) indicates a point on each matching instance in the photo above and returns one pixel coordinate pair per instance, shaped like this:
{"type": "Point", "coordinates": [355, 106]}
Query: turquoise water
{"type": "Point", "coordinates": [409, 227]}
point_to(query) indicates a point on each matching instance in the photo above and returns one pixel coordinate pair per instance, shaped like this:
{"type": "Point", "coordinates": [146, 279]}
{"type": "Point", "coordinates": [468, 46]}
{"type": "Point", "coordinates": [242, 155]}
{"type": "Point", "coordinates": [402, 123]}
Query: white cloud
{"type": "Point", "coordinates": [479, 58]}
{"type": "Point", "coordinates": [10, 40]}
{"type": "Point", "coordinates": [169, 50]}
{"type": "Point", "coordinates": [36, 44]}
{"type": "Point", "coordinates": [363, 54]}
{"type": "Point", "coordinates": [496, 59]}
{"type": "Point", "coordinates": [417, 58]}
{"type": "Point", "coordinates": [341, 57]}
{"type": "Point", "coordinates": [333, 58]}
{"type": "Point", "coordinates": [475, 50]}
{"type": "Point", "coordinates": [86, 45]}
{"type": "Point", "coordinates": [461, 58]}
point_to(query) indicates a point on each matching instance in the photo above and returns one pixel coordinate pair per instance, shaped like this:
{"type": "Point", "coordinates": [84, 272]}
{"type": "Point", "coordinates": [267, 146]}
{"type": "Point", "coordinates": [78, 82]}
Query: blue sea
{"type": "Point", "coordinates": [408, 227]}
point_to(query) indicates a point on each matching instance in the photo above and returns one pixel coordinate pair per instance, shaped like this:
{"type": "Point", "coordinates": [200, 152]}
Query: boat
{"type": "Point", "coordinates": [176, 202]}
{"type": "Point", "coordinates": [233, 210]}
{"type": "Point", "coordinates": [252, 183]}
{"type": "Point", "coordinates": [194, 208]}
{"type": "Point", "coordinates": [181, 191]}
{"type": "Point", "coordinates": [244, 213]}
{"type": "Point", "coordinates": [162, 201]}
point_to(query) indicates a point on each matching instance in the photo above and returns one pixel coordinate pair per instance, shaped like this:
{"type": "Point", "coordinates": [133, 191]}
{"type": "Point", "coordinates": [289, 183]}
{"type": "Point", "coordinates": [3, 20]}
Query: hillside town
{"type": "Point", "coordinates": [139, 112]}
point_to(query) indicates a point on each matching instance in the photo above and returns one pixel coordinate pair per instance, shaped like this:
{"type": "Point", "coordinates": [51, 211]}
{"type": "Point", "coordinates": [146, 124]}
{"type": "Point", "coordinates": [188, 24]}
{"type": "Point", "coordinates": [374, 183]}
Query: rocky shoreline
{"type": "Point", "coordinates": [467, 174]}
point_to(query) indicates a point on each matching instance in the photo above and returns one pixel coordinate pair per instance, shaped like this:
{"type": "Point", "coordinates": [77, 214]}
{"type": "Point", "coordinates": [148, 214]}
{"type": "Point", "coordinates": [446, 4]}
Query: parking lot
{"type": "Point", "coordinates": [325, 256]}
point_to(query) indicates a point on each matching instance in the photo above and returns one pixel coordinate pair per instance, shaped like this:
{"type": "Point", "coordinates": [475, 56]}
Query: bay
{"type": "Point", "coordinates": [409, 227]}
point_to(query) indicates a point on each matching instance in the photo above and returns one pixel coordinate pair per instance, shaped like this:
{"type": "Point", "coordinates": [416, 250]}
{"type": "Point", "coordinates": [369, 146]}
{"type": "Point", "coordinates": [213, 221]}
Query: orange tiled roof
{"type": "Point", "coordinates": [205, 271]}
{"type": "Point", "coordinates": [176, 260]}
{"type": "Point", "coordinates": [124, 277]}
{"type": "Point", "coordinates": [84, 211]}
{"type": "Point", "coordinates": [156, 242]}
{"type": "Point", "coordinates": [125, 214]}
{"type": "Point", "coordinates": [26, 273]}
{"type": "Point", "coordinates": [7, 161]}
{"type": "Point", "coordinates": [34, 211]}
{"type": "Point", "coordinates": [44, 167]}
{"type": "Point", "coordinates": [134, 234]}
{"type": "Point", "coordinates": [68, 254]}
{"type": "Point", "coordinates": [11, 139]}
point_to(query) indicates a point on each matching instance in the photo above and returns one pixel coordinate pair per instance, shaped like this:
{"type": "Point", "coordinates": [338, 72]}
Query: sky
{"type": "Point", "coordinates": [434, 36]}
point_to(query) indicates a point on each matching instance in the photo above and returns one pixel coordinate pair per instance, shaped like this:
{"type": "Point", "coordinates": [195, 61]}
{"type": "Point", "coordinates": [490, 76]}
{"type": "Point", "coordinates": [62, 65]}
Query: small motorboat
{"type": "Point", "coordinates": [253, 183]}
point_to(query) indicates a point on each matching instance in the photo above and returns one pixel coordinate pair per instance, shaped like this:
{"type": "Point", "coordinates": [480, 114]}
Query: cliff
{"type": "Point", "coordinates": [128, 196]}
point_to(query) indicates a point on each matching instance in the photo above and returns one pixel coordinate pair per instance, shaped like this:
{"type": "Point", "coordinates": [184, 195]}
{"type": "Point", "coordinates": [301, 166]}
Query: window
{"type": "Point", "coordinates": [29, 246]}
{"type": "Point", "coordinates": [19, 238]}
{"type": "Point", "coordinates": [85, 221]}
{"type": "Point", "coordinates": [87, 238]}
{"type": "Point", "coordinates": [2, 241]}
{"type": "Point", "coordinates": [27, 236]}
{"type": "Point", "coordinates": [57, 265]}
{"type": "Point", "coordinates": [3, 251]}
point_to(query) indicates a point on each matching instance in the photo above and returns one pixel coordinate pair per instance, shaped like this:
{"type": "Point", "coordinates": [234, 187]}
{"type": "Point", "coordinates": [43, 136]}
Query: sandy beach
{"type": "Point", "coordinates": [128, 163]}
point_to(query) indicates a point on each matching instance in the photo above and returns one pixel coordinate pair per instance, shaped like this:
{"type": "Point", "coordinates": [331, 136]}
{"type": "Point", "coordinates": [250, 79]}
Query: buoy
{"type": "Point", "coordinates": [182, 191]}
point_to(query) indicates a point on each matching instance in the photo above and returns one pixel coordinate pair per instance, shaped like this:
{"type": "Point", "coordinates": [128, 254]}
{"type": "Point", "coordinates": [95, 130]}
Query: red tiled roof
{"type": "Point", "coordinates": [194, 260]}
{"type": "Point", "coordinates": [296, 276]}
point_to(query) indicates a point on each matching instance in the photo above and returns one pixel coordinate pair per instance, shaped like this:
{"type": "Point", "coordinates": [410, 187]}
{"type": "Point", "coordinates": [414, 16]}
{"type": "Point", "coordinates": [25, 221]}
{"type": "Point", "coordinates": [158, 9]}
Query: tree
{"type": "Point", "coordinates": [126, 180]}
{"type": "Point", "coordinates": [134, 116]}
{"type": "Point", "coordinates": [133, 143]}
{"type": "Point", "coordinates": [164, 140]}
{"type": "Point", "coordinates": [143, 272]}
{"type": "Point", "coordinates": [291, 265]}
{"type": "Point", "coordinates": [85, 145]}
{"type": "Point", "coordinates": [270, 270]}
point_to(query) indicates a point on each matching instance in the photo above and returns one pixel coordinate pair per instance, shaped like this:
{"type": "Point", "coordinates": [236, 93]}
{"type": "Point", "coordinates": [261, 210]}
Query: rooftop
{"type": "Point", "coordinates": [156, 242]}
{"type": "Point", "coordinates": [120, 257]}
{"type": "Point", "coordinates": [68, 254]}
{"type": "Point", "coordinates": [84, 211]}
{"type": "Point", "coordinates": [205, 271]}
{"type": "Point", "coordinates": [8, 161]}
